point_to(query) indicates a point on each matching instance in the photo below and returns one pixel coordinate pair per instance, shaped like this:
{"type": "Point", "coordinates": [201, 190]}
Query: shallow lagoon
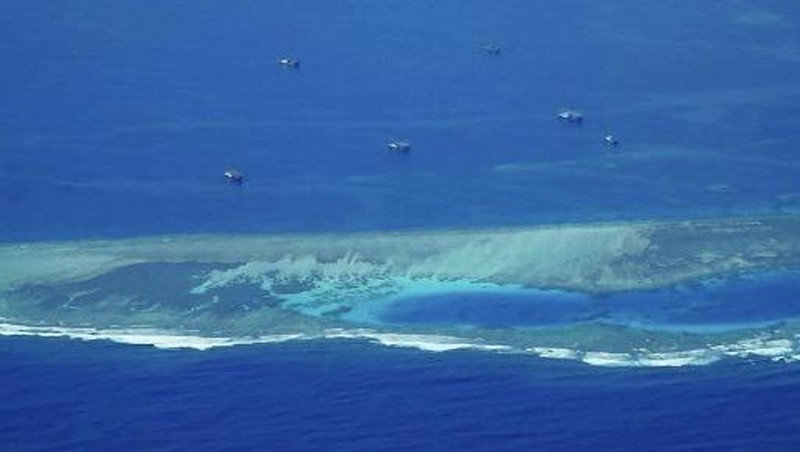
{"type": "Point", "coordinates": [731, 303]}
{"type": "Point", "coordinates": [119, 117]}
{"type": "Point", "coordinates": [661, 293]}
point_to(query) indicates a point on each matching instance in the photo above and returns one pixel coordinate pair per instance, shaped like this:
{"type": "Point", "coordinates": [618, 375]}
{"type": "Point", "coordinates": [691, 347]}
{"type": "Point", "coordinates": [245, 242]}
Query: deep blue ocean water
{"type": "Point", "coordinates": [351, 396]}
{"type": "Point", "coordinates": [118, 118]}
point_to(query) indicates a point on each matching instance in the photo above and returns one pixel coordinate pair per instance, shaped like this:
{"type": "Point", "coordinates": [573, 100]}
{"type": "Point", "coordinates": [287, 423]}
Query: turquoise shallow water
{"type": "Point", "coordinates": [736, 302]}
{"type": "Point", "coordinates": [516, 285]}
{"type": "Point", "coordinates": [655, 293]}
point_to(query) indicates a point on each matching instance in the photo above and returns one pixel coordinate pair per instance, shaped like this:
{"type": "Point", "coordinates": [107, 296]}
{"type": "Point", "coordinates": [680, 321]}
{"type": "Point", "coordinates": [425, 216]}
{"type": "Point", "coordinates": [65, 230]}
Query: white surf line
{"type": "Point", "coordinates": [142, 336]}
{"type": "Point", "coordinates": [777, 350]}
{"type": "Point", "coordinates": [167, 340]}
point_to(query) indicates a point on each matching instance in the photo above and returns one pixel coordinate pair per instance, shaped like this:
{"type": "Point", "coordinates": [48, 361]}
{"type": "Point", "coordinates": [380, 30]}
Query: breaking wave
{"type": "Point", "coordinates": [634, 294]}
{"type": "Point", "coordinates": [778, 350]}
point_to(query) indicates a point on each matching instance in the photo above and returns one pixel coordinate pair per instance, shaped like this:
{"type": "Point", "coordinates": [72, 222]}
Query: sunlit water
{"type": "Point", "coordinates": [503, 233]}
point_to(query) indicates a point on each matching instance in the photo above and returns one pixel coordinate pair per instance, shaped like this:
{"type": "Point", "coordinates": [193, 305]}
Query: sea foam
{"type": "Point", "coordinates": [773, 349]}
{"type": "Point", "coordinates": [271, 289]}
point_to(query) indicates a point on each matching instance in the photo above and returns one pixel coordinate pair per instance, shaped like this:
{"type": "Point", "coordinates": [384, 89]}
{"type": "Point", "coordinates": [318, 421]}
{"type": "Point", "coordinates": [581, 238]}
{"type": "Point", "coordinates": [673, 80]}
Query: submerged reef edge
{"type": "Point", "coordinates": [205, 291]}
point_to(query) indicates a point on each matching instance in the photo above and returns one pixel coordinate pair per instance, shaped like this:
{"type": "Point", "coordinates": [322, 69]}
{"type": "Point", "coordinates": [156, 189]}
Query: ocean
{"type": "Point", "coordinates": [352, 396]}
{"type": "Point", "coordinates": [513, 282]}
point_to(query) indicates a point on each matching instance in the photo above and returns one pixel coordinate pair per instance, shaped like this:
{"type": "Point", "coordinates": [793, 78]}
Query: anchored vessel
{"type": "Point", "coordinates": [289, 63]}
{"type": "Point", "coordinates": [399, 146]}
{"type": "Point", "coordinates": [491, 48]}
{"type": "Point", "coordinates": [571, 116]}
{"type": "Point", "coordinates": [234, 176]}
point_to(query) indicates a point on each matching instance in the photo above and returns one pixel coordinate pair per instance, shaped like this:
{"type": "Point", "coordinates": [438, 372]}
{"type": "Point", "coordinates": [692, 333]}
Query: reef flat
{"type": "Point", "coordinates": [314, 285]}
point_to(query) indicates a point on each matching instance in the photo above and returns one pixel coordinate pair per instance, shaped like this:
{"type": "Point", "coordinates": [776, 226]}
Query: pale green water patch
{"type": "Point", "coordinates": [239, 287]}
